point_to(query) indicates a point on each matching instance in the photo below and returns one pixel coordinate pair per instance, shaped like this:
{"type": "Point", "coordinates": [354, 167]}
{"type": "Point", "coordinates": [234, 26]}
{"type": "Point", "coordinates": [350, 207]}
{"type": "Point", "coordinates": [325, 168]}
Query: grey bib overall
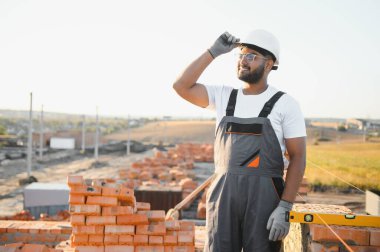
{"type": "Point", "coordinates": [248, 183]}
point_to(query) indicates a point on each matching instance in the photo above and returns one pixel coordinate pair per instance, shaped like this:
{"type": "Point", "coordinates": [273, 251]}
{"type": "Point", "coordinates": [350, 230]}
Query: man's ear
{"type": "Point", "coordinates": [268, 65]}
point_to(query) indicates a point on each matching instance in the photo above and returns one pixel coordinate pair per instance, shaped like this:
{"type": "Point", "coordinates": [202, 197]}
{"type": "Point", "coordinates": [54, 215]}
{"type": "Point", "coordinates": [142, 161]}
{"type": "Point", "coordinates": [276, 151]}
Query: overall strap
{"type": "Point", "coordinates": [270, 104]}
{"type": "Point", "coordinates": [231, 103]}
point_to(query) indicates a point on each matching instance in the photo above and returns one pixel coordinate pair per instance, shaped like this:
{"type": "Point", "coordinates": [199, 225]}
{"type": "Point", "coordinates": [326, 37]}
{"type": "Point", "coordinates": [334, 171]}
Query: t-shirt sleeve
{"type": "Point", "coordinates": [212, 92]}
{"type": "Point", "coordinates": [294, 121]}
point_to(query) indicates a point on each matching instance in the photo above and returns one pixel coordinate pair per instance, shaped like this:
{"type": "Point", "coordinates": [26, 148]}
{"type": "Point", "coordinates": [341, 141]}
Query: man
{"type": "Point", "coordinates": [256, 124]}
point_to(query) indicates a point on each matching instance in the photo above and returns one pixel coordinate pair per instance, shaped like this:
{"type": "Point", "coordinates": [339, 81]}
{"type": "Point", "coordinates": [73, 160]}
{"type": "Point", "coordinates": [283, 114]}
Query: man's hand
{"type": "Point", "coordinates": [277, 224]}
{"type": "Point", "coordinates": [224, 44]}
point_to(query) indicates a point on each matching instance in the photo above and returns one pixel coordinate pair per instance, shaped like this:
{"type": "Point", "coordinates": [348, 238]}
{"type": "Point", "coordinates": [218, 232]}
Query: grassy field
{"type": "Point", "coordinates": [357, 163]}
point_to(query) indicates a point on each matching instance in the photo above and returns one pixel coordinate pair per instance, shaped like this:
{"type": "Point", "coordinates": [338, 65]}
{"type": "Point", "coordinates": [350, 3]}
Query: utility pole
{"type": "Point", "coordinates": [41, 131]}
{"type": "Point", "coordinates": [29, 153]}
{"type": "Point", "coordinates": [96, 155]}
{"type": "Point", "coordinates": [83, 134]}
{"type": "Point", "coordinates": [364, 133]}
{"type": "Point", "coordinates": [129, 137]}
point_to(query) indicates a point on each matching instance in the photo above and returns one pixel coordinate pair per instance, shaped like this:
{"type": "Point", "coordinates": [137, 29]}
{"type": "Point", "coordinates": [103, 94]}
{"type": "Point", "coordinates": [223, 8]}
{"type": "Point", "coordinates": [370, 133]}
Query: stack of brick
{"type": "Point", "coordinates": [357, 238]}
{"type": "Point", "coordinates": [23, 215]}
{"type": "Point", "coordinates": [22, 247]}
{"type": "Point", "coordinates": [151, 171]}
{"type": "Point", "coordinates": [37, 232]}
{"type": "Point", "coordinates": [107, 218]}
{"type": "Point", "coordinates": [196, 152]}
{"type": "Point", "coordinates": [318, 238]}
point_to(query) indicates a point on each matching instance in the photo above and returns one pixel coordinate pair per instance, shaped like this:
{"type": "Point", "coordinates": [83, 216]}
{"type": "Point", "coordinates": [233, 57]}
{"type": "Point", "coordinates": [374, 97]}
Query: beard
{"type": "Point", "coordinates": [252, 77]}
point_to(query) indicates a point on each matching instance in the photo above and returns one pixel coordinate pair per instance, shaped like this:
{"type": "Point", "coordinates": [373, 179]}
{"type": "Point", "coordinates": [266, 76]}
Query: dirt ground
{"type": "Point", "coordinates": [170, 132]}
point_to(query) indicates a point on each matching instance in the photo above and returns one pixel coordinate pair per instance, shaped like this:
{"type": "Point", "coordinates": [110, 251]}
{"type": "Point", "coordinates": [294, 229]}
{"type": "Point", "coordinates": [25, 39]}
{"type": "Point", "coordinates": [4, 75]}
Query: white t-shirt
{"type": "Point", "coordinates": [286, 116]}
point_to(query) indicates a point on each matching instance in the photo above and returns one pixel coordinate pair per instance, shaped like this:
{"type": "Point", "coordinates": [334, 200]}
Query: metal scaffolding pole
{"type": "Point", "coordinates": [96, 153]}
{"type": "Point", "coordinates": [83, 133]}
{"type": "Point", "coordinates": [129, 137]}
{"type": "Point", "coordinates": [29, 153]}
{"type": "Point", "coordinates": [41, 131]}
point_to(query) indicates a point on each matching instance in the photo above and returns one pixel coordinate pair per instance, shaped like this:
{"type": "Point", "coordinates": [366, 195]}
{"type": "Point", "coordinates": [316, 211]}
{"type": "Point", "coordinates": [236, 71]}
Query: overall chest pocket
{"type": "Point", "coordinates": [244, 129]}
{"type": "Point", "coordinates": [245, 143]}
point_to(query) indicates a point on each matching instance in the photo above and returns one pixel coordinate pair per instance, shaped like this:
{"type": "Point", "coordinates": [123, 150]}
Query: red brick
{"type": "Point", "coordinates": [117, 210]}
{"type": "Point", "coordinates": [126, 239]}
{"type": "Point", "coordinates": [14, 226]}
{"type": "Point", "coordinates": [185, 239]}
{"type": "Point", "coordinates": [126, 194]}
{"type": "Point", "coordinates": [13, 247]}
{"type": "Point", "coordinates": [172, 225]}
{"type": "Point", "coordinates": [20, 237]}
{"type": "Point", "coordinates": [79, 239]}
{"type": "Point", "coordinates": [110, 239]}
{"type": "Point", "coordinates": [75, 199]}
{"type": "Point", "coordinates": [4, 225]}
{"type": "Point", "coordinates": [119, 229]}
{"type": "Point", "coordinates": [62, 237]}
{"type": "Point", "coordinates": [133, 219]}
{"type": "Point", "coordinates": [96, 240]}
{"type": "Point", "coordinates": [365, 248]}
{"type": "Point", "coordinates": [172, 232]}
{"type": "Point", "coordinates": [89, 249]}
{"type": "Point", "coordinates": [48, 238]}
{"type": "Point", "coordinates": [101, 200]}
{"type": "Point", "coordinates": [180, 232]}
{"type": "Point", "coordinates": [170, 240]}
{"type": "Point", "coordinates": [374, 239]}
{"type": "Point", "coordinates": [156, 240]}
{"type": "Point", "coordinates": [139, 239]}
{"type": "Point", "coordinates": [77, 220]}
{"type": "Point", "coordinates": [179, 249]}
{"type": "Point", "coordinates": [158, 229]}
{"type": "Point", "coordinates": [119, 248]}
{"type": "Point", "coordinates": [351, 235]}
{"type": "Point", "coordinates": [108, 191]}
{"type": "Point", "coordinates": [154, 215]}
{"type": "Point", "coordinates": [75, 180]}
{"type": "Point", "coordinates": [150, 249]}
{"type": "Point", "coordinates": [187, 226]}
{"type": "Point", "coordinates": [34, 248]}
{"type": "Point", "coordinates": [100, 220]}
{"type": "Point", "coordinates": [86, 190]}
{"type": "Point", "coordinates": [85, 209]}
{"type": "Point", "coordinates": [321, 247]}
{"type": "Point", "coordinates": [88, 230]}
{"type": "Point", "coordinates": [143, 206]}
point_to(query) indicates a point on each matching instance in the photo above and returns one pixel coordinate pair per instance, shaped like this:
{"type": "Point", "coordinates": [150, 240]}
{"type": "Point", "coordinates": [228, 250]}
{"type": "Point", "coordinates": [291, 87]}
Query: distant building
{"type": "Point", "coordinates": [361, 124]}
{"type": "Point", "coordinates": [330, 123]}
{"type": "Point", "coordinates": [74, 134]}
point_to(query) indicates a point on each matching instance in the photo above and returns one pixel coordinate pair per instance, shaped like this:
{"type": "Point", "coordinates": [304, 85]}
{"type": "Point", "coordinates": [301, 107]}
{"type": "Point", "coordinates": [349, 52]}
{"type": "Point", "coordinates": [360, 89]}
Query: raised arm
{"type": "Point", "coordinates": [186, 84]}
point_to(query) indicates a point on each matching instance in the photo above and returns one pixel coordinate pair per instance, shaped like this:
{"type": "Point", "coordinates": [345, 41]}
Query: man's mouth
{"type": "Point", "coordinates": [243, 68]}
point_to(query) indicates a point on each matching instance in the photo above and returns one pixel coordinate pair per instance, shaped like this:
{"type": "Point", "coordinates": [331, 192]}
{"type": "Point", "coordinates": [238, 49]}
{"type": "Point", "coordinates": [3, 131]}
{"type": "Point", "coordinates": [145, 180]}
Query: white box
{"type": "Point", "coordinates": [62, 143]}
{"type": "Point", "coordinates": [46, 194]}
{"type": "Point", "coordinates": [372, 203]}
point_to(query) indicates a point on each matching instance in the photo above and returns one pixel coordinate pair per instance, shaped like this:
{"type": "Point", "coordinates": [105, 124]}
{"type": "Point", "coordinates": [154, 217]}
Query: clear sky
{"type": "Point", "coordinates": [123, 56]}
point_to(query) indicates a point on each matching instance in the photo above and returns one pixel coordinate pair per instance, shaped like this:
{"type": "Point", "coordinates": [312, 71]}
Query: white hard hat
{"type": "Point", "coordinates": [264, 40]}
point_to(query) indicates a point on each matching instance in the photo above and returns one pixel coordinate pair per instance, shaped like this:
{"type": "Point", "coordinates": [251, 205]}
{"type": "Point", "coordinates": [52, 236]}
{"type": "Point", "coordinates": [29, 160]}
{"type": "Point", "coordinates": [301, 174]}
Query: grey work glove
{"type": "Point", "coordinates": [277, 224]}
{"type": "Point", "coordinates": [224, 44]}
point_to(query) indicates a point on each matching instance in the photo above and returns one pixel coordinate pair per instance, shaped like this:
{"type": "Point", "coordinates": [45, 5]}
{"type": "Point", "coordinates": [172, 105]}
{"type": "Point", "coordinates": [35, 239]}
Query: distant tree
{"type": "Point", "coordinates": [3, 130]}
{"type": "Point", "coordinates": [342, 128]}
